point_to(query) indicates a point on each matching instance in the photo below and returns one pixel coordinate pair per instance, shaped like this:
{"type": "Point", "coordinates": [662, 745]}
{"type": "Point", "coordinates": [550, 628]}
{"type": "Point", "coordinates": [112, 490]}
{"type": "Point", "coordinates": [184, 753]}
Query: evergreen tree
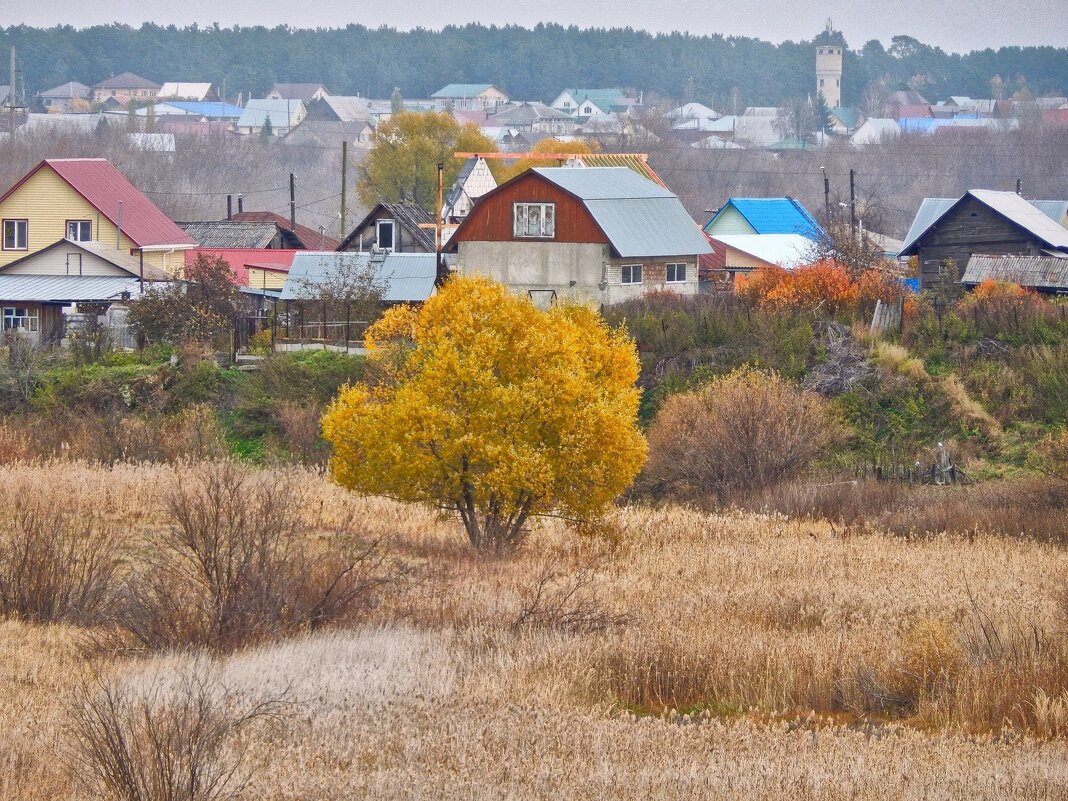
{"type": "Point", "coordinates": [823, 114]}
{"type": "Point", "coordinates": [267, 131]}
{"type": "Point", "coordinates": [396, 101]}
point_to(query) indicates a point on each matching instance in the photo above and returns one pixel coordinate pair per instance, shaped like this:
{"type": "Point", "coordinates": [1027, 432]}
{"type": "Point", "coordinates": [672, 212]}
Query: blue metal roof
{"type": "Point", "coordinates": [408, 277]}
{"type": "Point", "coordinates": [772, 215]}
{"type": "Point", "coordinates": [208, 108]}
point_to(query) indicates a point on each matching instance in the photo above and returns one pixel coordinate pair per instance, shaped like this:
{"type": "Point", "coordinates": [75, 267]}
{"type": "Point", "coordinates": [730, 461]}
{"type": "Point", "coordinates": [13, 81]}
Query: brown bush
{"type": "Point", "coordinates": [748, 429]}
{"type": "Point", "coordinates": [238, 565]}
{"type": "Point", "coordinates": [302, 432]}
{"type": "Point", "coordinates": [55, 565]}
{"type": "Point", "coordinates": [175, 740]}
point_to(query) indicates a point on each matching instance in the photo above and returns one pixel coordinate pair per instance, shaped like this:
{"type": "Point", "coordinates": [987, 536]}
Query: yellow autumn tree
{"type": "Point", "coordinates": [402, 164]}
{"type": "Point", "coordinates": [489, 407]}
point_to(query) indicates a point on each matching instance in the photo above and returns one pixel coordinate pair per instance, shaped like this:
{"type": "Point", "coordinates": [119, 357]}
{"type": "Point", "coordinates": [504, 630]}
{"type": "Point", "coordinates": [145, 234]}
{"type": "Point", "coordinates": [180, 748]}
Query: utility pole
{"type": "Point", "coordinates": [11, 96]}
{"type": "Point", "coordinates": [344, 184]}
{"type": "Point", "coordinates": [1019, 186]}
{"type": "Point", "coordinates": [852, 205]}
{"type": "Point", "coordinates": [826, 197]}
{"type": "Point", "coordinates": [437, 221]}
{"type": "Point", "coordinates": [292, 203]}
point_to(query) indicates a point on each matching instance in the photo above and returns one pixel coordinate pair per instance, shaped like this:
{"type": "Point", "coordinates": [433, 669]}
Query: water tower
{"type": "Point", "coordinates": [829, 70]}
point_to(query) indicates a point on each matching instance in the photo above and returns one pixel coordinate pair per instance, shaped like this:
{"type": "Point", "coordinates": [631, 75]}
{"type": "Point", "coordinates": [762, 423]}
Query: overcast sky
{"type": "Point", "coordinates": [955, 25]}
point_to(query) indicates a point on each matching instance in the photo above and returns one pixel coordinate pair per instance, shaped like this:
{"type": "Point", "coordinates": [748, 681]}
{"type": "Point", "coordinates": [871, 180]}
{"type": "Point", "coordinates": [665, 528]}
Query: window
{"type": "Point", "coordinates": [20, 318]}
{"type": "Point", "coordinates": [821, 82]}
{"type": "Point", "coordinates": [384, 234]}
{"type": "Point", "coordinates": [676, 273]}
{"type": "Point", "coordinates": [631, 273]}
{"type": "Point", "coordinates": [534, 220]}
{"type": "Point", "coordinates": [79, 230]}
{"type": "Point", "coordinates": [15, 234]}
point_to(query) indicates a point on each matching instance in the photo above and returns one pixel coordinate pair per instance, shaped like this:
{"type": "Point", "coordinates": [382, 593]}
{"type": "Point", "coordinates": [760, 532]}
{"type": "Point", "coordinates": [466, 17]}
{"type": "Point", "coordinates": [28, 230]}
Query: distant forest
{"type": "Point", "coordinates": [532, 64]}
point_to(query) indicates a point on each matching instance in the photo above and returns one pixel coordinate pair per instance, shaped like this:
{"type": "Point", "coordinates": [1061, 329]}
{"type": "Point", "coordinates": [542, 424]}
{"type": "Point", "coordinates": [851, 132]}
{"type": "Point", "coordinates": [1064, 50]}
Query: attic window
{"type": "Point", "coordinates": [534, 220]}
{"type": "Point", "coordinates": [384, 234]}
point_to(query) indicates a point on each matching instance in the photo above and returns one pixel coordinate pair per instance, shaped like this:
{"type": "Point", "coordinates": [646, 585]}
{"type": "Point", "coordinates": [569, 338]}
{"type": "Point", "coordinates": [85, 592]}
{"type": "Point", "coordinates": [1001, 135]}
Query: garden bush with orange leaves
{"type": "Point", "coordinates": [825, 286]}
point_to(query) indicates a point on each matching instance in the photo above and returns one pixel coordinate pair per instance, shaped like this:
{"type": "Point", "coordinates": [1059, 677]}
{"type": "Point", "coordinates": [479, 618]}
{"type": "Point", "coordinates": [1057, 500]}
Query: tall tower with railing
{"type": "Point", "coordinates": [829, 69]}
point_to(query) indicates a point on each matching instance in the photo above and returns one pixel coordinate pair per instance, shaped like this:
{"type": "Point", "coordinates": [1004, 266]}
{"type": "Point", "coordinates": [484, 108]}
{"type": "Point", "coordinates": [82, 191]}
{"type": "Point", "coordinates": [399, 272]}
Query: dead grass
{"type": "Point", "coordinates": [728, 656]}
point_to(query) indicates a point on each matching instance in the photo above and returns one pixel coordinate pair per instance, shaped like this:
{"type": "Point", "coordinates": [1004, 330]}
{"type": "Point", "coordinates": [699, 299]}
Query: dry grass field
{"type": "Point", "coordinates": [679, 655]}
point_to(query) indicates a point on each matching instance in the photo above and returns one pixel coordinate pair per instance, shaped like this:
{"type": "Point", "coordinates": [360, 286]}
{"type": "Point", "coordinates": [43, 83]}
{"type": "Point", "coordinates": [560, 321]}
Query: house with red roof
{"type": "Point", "coordinates": [87, 200]}
{"type": "Point", "coordinates": [264, 269]}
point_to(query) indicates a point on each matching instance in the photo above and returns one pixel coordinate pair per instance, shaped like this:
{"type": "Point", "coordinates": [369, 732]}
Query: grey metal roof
{"type": "Point", "coordinates": [65, 288]}
{"type": "Point", "coordinates": [408, 277]}
{"type": "Point", "coordinates": [230, 233]}
{"type": "Point", "coordinates": [603, 183]}
{"type": "Point", "coordinates": [1028, 271]}
{"type": "Point", "coordinates": [932, 208]}
{"type": "Point", "coordinates": [640, 218]}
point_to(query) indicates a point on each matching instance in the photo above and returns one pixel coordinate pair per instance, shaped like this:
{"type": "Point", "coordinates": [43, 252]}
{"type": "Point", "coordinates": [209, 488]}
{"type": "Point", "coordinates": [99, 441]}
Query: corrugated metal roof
{"type": "Point", "coordinates": [104, 187]}
{"type": "Point", "coordinates": [70, 89]}
{"type": "Point", "coordinates": [65, 288]}
{"type": "Point", "coordinates": [462, 90]}
{"type": "Point", "coordinates": [603, 183]}
{"type": "Point", "coordinates": [786, 250]}
{"type": "Point", "coordinates": [118, 258]}
{"type": "Point", "coordinates": [1024, 214]}
{"type": "Point", "coordinates": [408, 277]}
{"type": "Point", "coordinates": [1028, 271]}
{"type": "Point", "coordinates": [932, 209]}
{"type": "Point", "coordinates": [179, 90]}
{"type": "Point", "coordinates": [771, 215]}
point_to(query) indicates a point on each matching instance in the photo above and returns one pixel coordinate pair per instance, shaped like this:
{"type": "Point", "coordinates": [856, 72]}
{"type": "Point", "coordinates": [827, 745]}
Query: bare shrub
{"type": "Point", "coordinates": [238, 565]}
{"type": "Point", "coordinates": [55, 565]}
{"type": "Point", "coordinates": [302, 432]}
{"type": "Point", "coordinates": [565, 601]}
{"type": "Point", "coordinates": [748, 429]}
{"type": "Point", "coordinates": [177, 740]}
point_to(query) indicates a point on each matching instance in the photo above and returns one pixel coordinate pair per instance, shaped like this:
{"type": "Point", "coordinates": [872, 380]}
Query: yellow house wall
{"type": "Point", "coordinates": [737, 260]}
{"type": "Point", "coordinates": [265, 279]}
{"type": "Point", "coordinates": [46, 201]}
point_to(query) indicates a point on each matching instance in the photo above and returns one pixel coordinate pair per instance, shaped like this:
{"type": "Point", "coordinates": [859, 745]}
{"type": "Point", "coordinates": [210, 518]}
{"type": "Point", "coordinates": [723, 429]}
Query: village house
{"type": "Point", "coordinates": [260, 269]}
{"type": "Point", "coordinates": [395, 227]}
{"type": "Point", "coordinates": [124, 87]}
{"type": "Point", "coordinates": [604, 234]}
{"type": "Point", "coordinates": [292, 235]}
{"type": "Point", "coordinates": [475, 96]}
{"type": "Point", "coordinates": [946, 233]}
{"type": "Point", "coordinates": [474, 181]}
{"type": "Point", "coordinates": [403, 277]}
{"type": "Point", "coordinates": [42, 291]}
{"type": "Point", "coordinates": [763, 215]}
{"type": "Point", "coordinates": [87, 200]}
{"type": "Point", "coordinates": [307, 93]}
{"type": "Point", "coordinates": [283, 114]}
{"type": "Point", "coordinates": [70, 97]}
{"type": "Point", "coordinates": [536, 118]}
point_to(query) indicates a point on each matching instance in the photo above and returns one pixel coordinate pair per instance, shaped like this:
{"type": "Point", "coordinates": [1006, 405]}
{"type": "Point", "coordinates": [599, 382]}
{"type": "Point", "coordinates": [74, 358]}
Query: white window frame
{"type": "Point", "coordinates": [626, 274]}
{"type": "Point", "coordinates": [545, 223]}
{"type": "Point", "coordinates": [87, 225]}
{"type": "Point", "coordinates": [22, 223]}
{"type": "Point", "coordinates": [21, 318]}
{"type": "Point", "coordinates": [668, 270]}
{"type": "Point", "coordinates": [392, 233]}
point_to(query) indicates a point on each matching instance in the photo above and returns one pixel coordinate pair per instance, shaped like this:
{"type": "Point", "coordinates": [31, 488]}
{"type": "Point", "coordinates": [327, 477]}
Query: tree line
{"type": "Point", "coordinates": [528, 63]}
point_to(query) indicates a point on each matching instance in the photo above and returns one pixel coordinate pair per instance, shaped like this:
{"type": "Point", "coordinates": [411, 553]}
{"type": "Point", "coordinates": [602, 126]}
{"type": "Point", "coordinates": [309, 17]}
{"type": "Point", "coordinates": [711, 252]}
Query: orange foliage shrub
{"type": "Point", "coordinates": [992, 289]}
{"type": "Point", "coordinates": [826, 284]}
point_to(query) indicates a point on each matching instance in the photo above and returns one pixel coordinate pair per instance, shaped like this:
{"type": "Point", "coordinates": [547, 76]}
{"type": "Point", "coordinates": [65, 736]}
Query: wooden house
{"type": "Point", "coordinates": [41, 290]}
{"type": "Point", "coordinates": [395, 227]}
{"type": "Point", "coordinates": [598, 233]}
{"type": "Point", "coordinates": [984, 222]}
{"type": "Point", "coordinates": [87, 200]}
